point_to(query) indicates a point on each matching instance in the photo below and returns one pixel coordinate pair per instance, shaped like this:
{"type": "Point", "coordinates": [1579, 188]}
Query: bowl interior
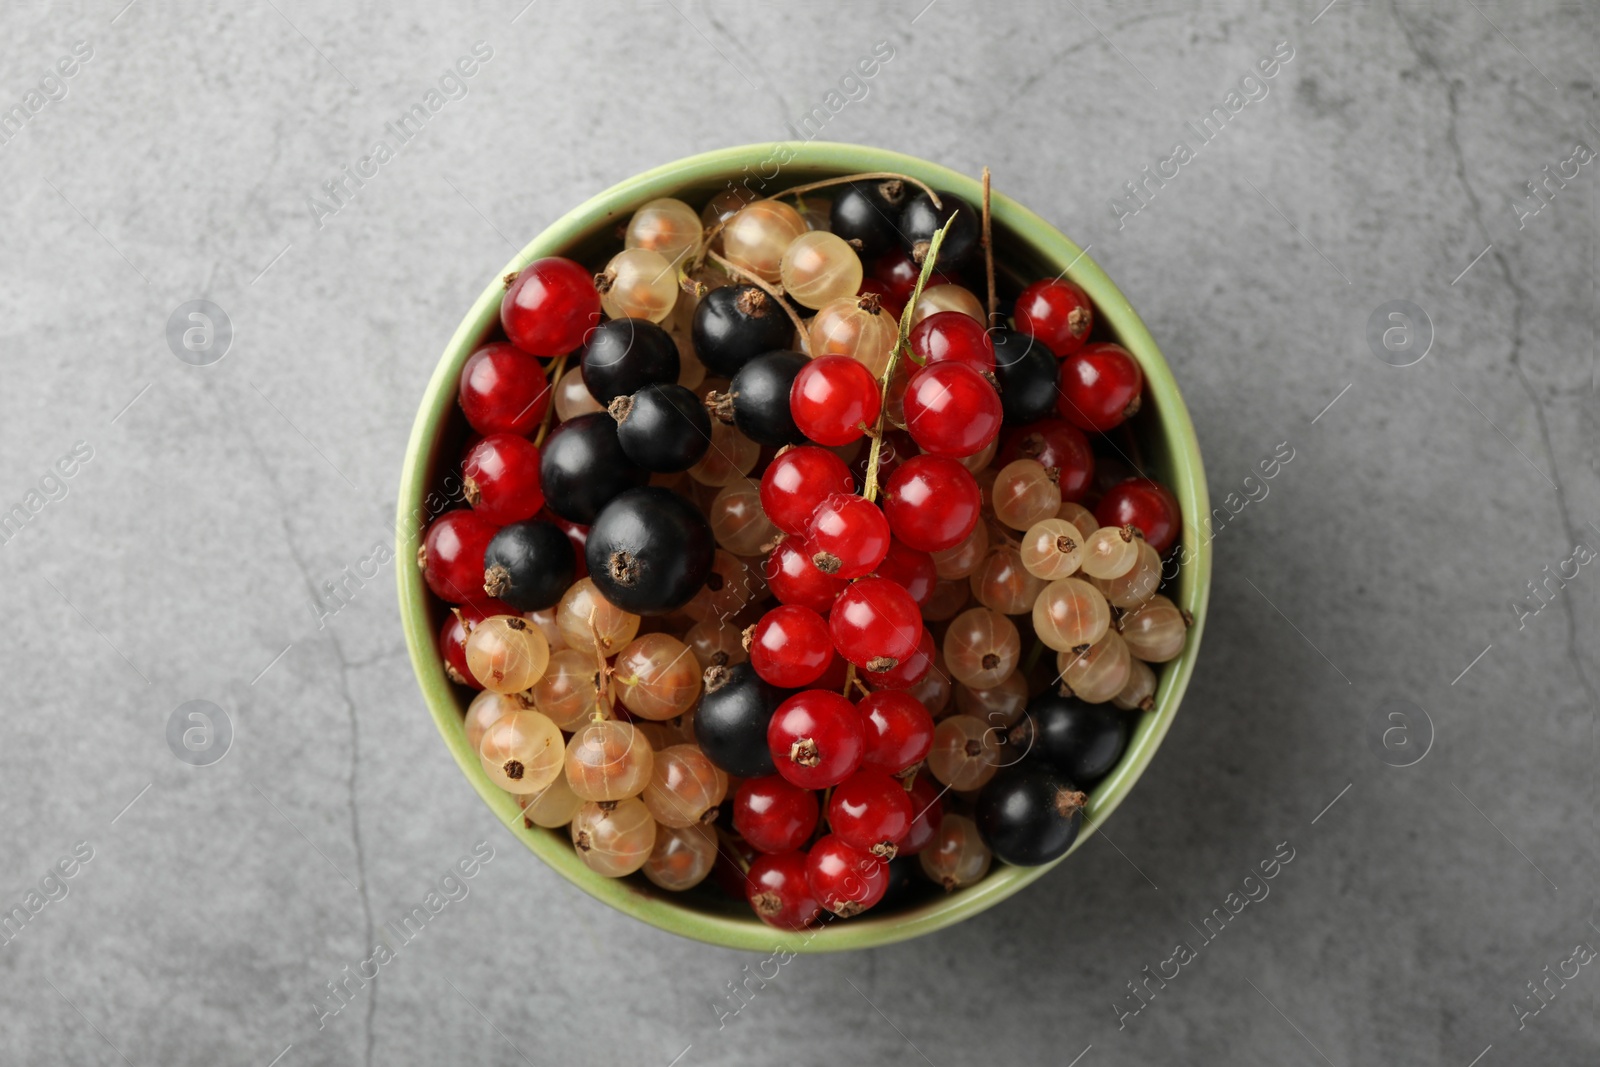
{"type": "Point", "coordinates": [1026, 247]}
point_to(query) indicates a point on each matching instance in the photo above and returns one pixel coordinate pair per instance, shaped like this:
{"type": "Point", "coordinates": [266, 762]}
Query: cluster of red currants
{"type": "Point", "coordinates": [742, 557]}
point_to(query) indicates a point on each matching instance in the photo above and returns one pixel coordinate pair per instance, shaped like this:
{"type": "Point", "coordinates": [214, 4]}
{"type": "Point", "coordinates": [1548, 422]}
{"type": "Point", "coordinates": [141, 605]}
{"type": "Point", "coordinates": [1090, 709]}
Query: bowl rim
{"type": "Point", "coordinates": [1187, 481]}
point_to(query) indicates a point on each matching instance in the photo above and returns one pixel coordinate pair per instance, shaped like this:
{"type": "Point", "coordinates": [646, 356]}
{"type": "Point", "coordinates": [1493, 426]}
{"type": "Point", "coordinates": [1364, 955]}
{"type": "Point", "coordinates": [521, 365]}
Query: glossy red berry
{"type": "Point", "coordinates": [845, 880]}
{"type": "Point", "coordinates": [956, 337]}
{"type": "Point", "coordinates": [794, 579]}
{"type": "Point", "coordinates": [779, 891]}
{"type": "Point", "coordinates": [848, 536]}
{"type": "Point", "coordinates": [774, 815]}
{"type": "Point", "coordinates": [927, 812]}
{"type": "Point", "coordinates": [887, 300]}
{"type": "Point", "coordinates": [797, 481]}
{"type": "Point", "coordinates": [503, 390]}
{"type": "Point", "coordinates": [932, 503]}
{"type": "Point", "coordinates": [452, 555]}
{"type": "Point", "coordinates": [834, 399]}
{"type": "Point", "coordinates": [909, 671]}
{"type": "Point", "coordinates": [1147, 506]}
{"type": "Point", "coordinates": [875, 624]}
{"type": "Point", "coordinates": [501, 478]}
{"type": "Point", "coordinates": [912, 569]}
{"type": "Point", "coordinates": [898, 272]}
{"type": "Point", "coordinates": [815, 739]}
{"type": "Point", "coordinates": [1100, 387]}
{"type": "Point", "coordinates": [951, 409]}
{"type": "Point", "coordinates": [790, 647]}
{"type": "Point", "coordinates": [1057, 312]}
{"type": "Point", "coordinates": [1054, 443]}
{"type": "Point", "coordinates": [870, 810]}
{"type": "Point", "coordinates": [898, 728]}
{"type": "Point", "coordinates": [550, 307]}
{"type": "Point", "coordinates": [453, 644]}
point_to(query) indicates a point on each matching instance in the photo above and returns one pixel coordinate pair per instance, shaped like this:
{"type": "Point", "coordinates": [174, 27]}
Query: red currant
{"type": "Point", "coordinates": [778, 889]}
{"type": "Point", "coordinates": [1100, 387]}
{"type": "Point", "coordinates": [951, 410]}
{"type": "Point", "coordinates": [912, 569]}
{"type": "Point", "coordinates": [452, 555]}
{"type": "Point", "coordinates": [899, 730]}
{"type": "Point", "coordinates": [909, 671]}
{"type": "Point", "coordinates": [932, 503]}
{"type": "Point", "coordinates": [774, 816]}
{"type": "Point", "coordinates": [870, 810]}
{"type": "Point", "coordinates": [847, 881]}
{"type": "Point", "coordinates": [1146, 505]}
{"type": "Point", "coordinates": [501, 476]}
{"type": "Point", "coordinates": [887, 300]}
{"type": "Point", "coordinates": [928, 813]}
{"type": "Point", "coordinates": [1057, 312]}
{"type": "Point", "coordinates": [875, 624]}
{"type": "Point", "coordinates": [953, 336]}
{"type": "Point", "coordinates": [1054, 443]}
{"type": "Point", "coordinates": [797, 481]}
{"type": "Point", "coordinates": [898, 271]}
{"type": "Point", "coordinates": [790, 647]}
{"type": "Point", "coordinates": [579, 536]}
{"type": "Point", "coordinates": [551, 307]}
{"type": "Point", "coordinates": [848, 536]}
{"type": "Point", "coordinates": [833, 399]}
{"type": "Point", "coordinates": [793, 578]}
{"type": "Point", "coordinates": [815, 738]}
{"type": "Point", "coordinates": [503, 390]}
{"type": "Point", "coordinates": [453, 644]}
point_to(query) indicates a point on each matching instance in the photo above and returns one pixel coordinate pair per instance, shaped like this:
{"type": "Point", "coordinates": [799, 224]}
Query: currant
{"type": "Point", "coordinates": [1155, 631]}
{"type": "Point", "coordinates": [981, 647]}
{"type": "Point", "coordinates": [1057, 312]}
{"type": "Point", "coordinates": [845, 880]}
{"type": "Point", "coordinates": [756, 237]}
{"type": "Point", "coordinates": [550, 807]}
{"type": "Point", "coordinates": [920, 220]}
{"type": "Point", "coordinates": [875, 624]}
{"type": "Point", "coordinates": [1030, 816]}
{"type": "Point", "coordinates": [834, 400]}
{"type": "Point", "coordinates": [1097, 673]}
{"type": "Point", "coordinates": [573, 689]}
{"type": "Point", "coordinates": [909, 671]}
{"type": "Point", "coordinates": [779, 892]}
{"type": "Point", "coordinates": [1138, 585]}
{"type": "Point", "coordinates": [790, 647]}
{"type": "Point", "coordinates": [1100, 387]}
{"type": "Point", "coordinates": [848, 536]}
{"type": "Point", "coordinates": [735, 324]}
{"type": "Point", "coordinates": [965, 558]}
{"type": "Point", "coordinates": [949, 597]}
{"type": "Point", "coordinates": [715, 644]}
{"type": "Point", "coordinates": [649, 551]}
{"type": "Point", "coordinates": [1070, 614]}
{"type": "Point", "coordinates": [638, 283]}
{"type": "Point", "coordinates": [815, 739]}
{"type": "Point", "coordinates": [583, 467]}
{"type": "Point", "coordinates": [966, 752]}
{"type": "Point", "coordinates": [759, 398]}
{"type": "Point", "coordinates": [856, 327]}
{"type": "Point", "coordinates": [657, 677]}
{"type": "Point", "coordinates": [608, 759]}
{"type": "Point", "coordinates": [528, 565]}
{"type": "Point", "coordinates": [1110, 552]}
{"type": "Point", "coordinates": [731, 723]}
{"type": "Point", "coordinates": [931, 502]}
{"type": "Point", "coordinates": [663, 427]}
{"type": "Point", "coordinates": [1026, 372]}
{"type": "Point", "coordinates": [1082, 741]}
{"type": "Point", "coordinates": [738, 521]}
{"type": "Point", "coordinates": [953, 336]}
{"type": "Point", "coordinates": [773, 815]}
{"type": "Point", "coordinates": [1025, 492]}
{"type": "Point", "coordinates": [951, 410]}
{"type": "Point", "coordinates": [503, 390]}
{"type": "Point", "coordinates": [1147, 506]}
{"type": "Point", "coordinates": [1056, 444]}
{"type": "Point", "coordinates": [912, 570]}
{"type": "Point", "coordinates": [685, 787]}
{"type": "Point", "coordinates": [521, 752]}
{"type": "Point", "coordinates": [682, 857]}
{"type": "Point", "coordinates": [794, 579]}
{"type": "Point", "coordinates": [667, 226]}
{"type": "Point", "coordinates": [500, 476]}
{"type": "Point", "coordinates": [624, 355]}
{"type": "Point", "coordinates": [927, 813]}
{"type": "Point", "coordinates": [865, 214]}
{"type": "Point", "coordinates": [818, 267]}
{"type": "Point", "coordinates": [452, 555]}
{"type": "Point", "coordinates": [1051, 549]}
{"type": "Point", "coordinates": [730, 458]}
{"type": "Point", "coordinates": [590, 622]}
{"type": "Point", "coordinates": [486, 709]}
{"type": "Point", "coordinates": [1140, 692]}
{"type": "Point", "coordinates": [1002, 583]}
{"type": "Point", "coordinates": [898, 731]}
{"type": "Point", "coordinates": [614, 838]}
{"type": "Point", "coordinates": [572, 396]}
{"type": "Point", "coordinates": [870, 811]}
{"type": "Point", "coordinates": [797, 481]}
{"type": "Point", "coordinates": [957, 856]}
{"type": "Point", "coordinates": [998, 705]}
{"type": "Point", "coordinates": [549, 308]}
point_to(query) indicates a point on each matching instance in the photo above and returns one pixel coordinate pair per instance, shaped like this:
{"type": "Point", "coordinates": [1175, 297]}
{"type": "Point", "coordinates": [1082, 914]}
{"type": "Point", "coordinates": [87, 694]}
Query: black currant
{"type": "Point", "coordinates": [529, 565]}
{"type": "Point", "coordinates": [662, 427]}
{"type": "Point", "coordinates": [736, 323]}
{"type": "Point", "coordinates": [1082, 741]}
{"type": "Point", "coordinates": [867, 215]}
{"type": "Point", "coordinates": [1027, 373]}
{"type": "Point", "coordinates": [1030, 814]}
{"type": "Point", "coordinates": [759, 398]}
{"type": "Point", "coordinates": [921, 220]}
{"type": "Point", "coordinates": [649, 551]}
{"type": "Point", "coordinates": [625, 355]}
{"type": "Point", "coordinates": [731, 722]}
{"type": "Point", "coordinates": [582, 466]}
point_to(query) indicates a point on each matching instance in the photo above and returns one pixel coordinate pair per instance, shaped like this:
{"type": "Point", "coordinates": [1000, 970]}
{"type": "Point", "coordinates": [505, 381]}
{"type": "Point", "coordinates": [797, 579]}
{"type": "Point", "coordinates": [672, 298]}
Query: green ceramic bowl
{"type": "Point", "coordinates": [1027, 247]}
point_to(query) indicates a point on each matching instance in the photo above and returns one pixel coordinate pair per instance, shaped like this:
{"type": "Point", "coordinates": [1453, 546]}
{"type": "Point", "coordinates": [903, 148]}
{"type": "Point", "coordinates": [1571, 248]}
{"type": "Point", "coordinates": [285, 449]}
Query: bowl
{"type": "Point", "coordinates": [1027, 247]}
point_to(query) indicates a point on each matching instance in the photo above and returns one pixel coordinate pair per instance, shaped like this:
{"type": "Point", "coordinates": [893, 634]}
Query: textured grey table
{"type": "Point", "coordinates": [1381, 573]}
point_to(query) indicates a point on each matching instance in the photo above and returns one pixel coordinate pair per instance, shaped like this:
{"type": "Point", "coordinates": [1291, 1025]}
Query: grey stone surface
{"type": "Point", "coordinates": [1382, 163]}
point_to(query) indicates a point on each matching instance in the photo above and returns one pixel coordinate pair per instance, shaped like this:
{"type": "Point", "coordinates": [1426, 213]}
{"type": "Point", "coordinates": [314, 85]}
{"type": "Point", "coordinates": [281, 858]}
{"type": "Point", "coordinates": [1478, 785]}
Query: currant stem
{"type": "Point", "coordinates": [556, 370]}
{"type": "Point", "coordinates": [902, 343]}
{"type": "Point", "coordinates": [876, 175]}
{"type": "Point", "coordinates": [772, 291]}
{"type": "Point", "coordinates": [849, 680]}
{"type": "Point", "coordinates": [988, 252]}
